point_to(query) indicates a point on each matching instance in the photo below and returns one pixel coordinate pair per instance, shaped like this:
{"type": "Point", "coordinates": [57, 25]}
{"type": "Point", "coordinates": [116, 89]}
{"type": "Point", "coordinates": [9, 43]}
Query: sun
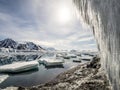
{"type": "Point", "coordinates": [64, 14]}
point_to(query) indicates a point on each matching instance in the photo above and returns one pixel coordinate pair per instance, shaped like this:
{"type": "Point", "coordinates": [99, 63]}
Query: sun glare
{"type": "Point", "coordinates": [64, 14]}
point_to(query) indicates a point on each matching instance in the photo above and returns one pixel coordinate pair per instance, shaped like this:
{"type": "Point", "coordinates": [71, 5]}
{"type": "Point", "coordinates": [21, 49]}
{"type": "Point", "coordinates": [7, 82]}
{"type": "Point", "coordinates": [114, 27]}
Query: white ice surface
{"type": "Point", "coordinates": [86, 57]}
{"type": "Point", "coordinates": [3, 78]}
{"type": "Point", "coordinates": [19, 66]}
{"type": "Point", "coordinates": [53, 62]}
{"type": "Point", "coordinates": [76, 59]}
{"type": "Point", "coordinates": [71, 55]}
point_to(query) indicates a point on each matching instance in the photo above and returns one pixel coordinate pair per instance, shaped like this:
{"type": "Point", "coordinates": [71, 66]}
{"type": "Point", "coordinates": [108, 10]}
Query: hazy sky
{"type": "Point", "coordinates": [52, 23]}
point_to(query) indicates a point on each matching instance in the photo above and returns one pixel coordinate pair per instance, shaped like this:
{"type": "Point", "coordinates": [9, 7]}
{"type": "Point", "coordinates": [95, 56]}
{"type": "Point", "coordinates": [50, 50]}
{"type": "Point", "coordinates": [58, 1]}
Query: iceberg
{"type": "Point", "coordinates": [59, 55]}
{"type": "Point", "coordinates": [86, 57]}
{"type": "Point", "coordinates": [41, 61]}
{"type": "Point", "coordinates": [3, 78]}
{"type": "Point", "coordinates": [19, 66]}
{"type": "Point", "coordinates": [72, 55]}
{"type": "Point", "coordinates": [76, 60]}
{"type": "Point", "coordinates": [62, 54]}
{"type": "Point", "coordinates": [53, 62]}
{"type": "Point", "coordinates": [68, 56]}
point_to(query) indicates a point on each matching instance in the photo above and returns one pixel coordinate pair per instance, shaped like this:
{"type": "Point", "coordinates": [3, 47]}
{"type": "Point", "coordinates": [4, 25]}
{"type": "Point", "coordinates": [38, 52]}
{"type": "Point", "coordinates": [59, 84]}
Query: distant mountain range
{"type": "Point", "coordinates": [6, 43]}
{"type": "Point", "coordinates": [9, 43]}
{"type": "Point", "coordinates": [50, 49]}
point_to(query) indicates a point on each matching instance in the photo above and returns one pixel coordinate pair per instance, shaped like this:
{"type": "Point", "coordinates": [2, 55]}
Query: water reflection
{"type": "Point", "coordinates": [17, 58]}
{"type": "Point", "coordinates": [22, 72]}
{"type": "Point", "coordinates": [55, 66]}
{"type": "Point", "coordinates": [33, 77]}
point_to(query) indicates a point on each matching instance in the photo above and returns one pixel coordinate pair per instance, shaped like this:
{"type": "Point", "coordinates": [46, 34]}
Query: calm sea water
{"type": "Point", "coordinates": [33, 77]}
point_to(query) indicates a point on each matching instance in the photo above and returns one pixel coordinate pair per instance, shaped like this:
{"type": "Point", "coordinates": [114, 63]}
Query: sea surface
{"type": "Point", "coordinates": [36, 76]}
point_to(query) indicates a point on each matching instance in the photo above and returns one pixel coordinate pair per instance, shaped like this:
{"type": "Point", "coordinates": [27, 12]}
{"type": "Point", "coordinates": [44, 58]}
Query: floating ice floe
{"type": "Point", "coordinates": [3, 78]}
{"type": "Point", "coordinates": [86, 57]}
{"type": "Point", "coordinates": [68, 56]}
{"type": "Point", "coordinates": [10, 88]}
{"type": "Point", "coordinates": [59, 55]}
{"type": "Point", "coordinates": [52, 62]}
{"type": "Point", "coordinates": [41, 61]}
{"type": "Point", "coordinates": [19, 66]}
{"type": "Point", "coordinates": [76, 60]}
{"type": "Point", "coordinates": [78, 54]}
{"type": "Point", "coordinates": [72, 55]}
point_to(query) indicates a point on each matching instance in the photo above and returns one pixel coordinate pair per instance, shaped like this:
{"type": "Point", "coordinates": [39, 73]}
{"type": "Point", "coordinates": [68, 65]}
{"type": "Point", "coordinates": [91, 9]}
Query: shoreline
{"type": "Point", "coordinates": [87, 76]}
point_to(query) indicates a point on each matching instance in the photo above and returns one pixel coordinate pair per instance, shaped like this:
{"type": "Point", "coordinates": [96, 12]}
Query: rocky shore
{"type": "Point", "coordinates": [88, 76]}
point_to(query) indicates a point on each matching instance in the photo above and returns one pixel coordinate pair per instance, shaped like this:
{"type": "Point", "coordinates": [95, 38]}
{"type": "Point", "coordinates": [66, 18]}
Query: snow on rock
{"type": "Point", "coordinates": [28, 46]}
{"type": "Point", "coordinates": [8, 43]}
{"type": "Point", "coordinates": [32, 46]}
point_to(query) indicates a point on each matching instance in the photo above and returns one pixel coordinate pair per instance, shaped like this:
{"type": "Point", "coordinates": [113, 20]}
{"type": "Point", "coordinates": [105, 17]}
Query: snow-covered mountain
{"type": "Point", "coordinates": [29, 46]}
{"type": "Point", "coordinates": [50, 49]}
{"type": "Point", "coordinates": [9, 43]}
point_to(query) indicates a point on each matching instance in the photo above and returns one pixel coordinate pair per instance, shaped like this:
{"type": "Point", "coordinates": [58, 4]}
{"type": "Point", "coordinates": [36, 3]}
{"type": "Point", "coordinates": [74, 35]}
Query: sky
{"type": "Point", "coordinates": [49, 23]}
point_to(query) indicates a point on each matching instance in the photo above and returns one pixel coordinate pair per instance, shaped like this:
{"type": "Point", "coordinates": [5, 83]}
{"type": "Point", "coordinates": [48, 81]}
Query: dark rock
{"type": "Point", "coordinates": [95, 63]}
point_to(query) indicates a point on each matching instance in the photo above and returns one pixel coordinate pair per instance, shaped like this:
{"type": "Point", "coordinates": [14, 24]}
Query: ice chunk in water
{"type": "Point", "coordinates": [3, 78]}
{"type": "Point", "coordinates": [49, 62]}
{"type": "Point", "coordinates": [19, 66]}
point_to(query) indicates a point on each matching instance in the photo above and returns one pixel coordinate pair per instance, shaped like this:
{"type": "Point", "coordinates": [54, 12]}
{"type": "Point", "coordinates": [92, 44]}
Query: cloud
{"type": "Point", "coordinates": [85, 39]}
{"type": "Point", "coordinates": [36, 21]}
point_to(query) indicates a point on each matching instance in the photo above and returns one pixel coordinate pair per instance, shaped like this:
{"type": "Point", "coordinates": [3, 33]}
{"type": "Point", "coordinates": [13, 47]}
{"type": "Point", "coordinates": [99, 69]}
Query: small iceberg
{"type": "Point", "coordinates": [3, 78]}
{"type": "Point", "coordinates": [72, 55]}
{"type": "Point", "coordinates": [41, 61]}
{"type": "Point", "coordinates": [78, 54]}
{"type": "Point", "coordinates": [54, 66]}
{"type": "Point", "coordinates": [53, 62]}
{"type": "Point", "coordinates": [19, 67]}
{"type": "Point", "coordinates": [59, 55]}
{"type": "Point", "coordinates": [76, 60]}
{"type": "Point", "coordinates": [68, 56]}
{"type": "Point", "coordinates": [85, 57]}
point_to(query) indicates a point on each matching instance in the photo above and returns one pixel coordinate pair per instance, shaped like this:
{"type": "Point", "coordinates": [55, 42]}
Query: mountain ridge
{"type": "Point", "coordinates": [10, 43]}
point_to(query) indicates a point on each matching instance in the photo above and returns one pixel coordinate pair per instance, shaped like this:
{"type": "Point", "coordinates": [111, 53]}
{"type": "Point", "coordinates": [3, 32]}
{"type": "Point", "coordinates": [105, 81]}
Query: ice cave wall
{"type": "Point", "coordinates": [104, 18]}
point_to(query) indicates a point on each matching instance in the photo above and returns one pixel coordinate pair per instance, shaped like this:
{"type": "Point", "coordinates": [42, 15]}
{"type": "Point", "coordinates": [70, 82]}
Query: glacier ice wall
{"type": "Point", "coordinates": [104, 18]}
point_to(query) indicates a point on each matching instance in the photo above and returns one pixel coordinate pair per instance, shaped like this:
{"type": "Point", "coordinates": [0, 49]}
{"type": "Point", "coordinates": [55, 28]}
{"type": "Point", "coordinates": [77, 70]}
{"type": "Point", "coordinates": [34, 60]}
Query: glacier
{"type": "Point", "coordinates": [103, 16]}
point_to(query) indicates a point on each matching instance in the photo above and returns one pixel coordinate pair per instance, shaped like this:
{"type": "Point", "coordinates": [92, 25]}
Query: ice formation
{"type": "Point", "coordinates": [104, 18]}
{"type": "Point", "coordinates": [50, 62]}
{"type": "Point", "coordinates": [19, 66]}
{"type": "Point", "coordinates": [3, 77]}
